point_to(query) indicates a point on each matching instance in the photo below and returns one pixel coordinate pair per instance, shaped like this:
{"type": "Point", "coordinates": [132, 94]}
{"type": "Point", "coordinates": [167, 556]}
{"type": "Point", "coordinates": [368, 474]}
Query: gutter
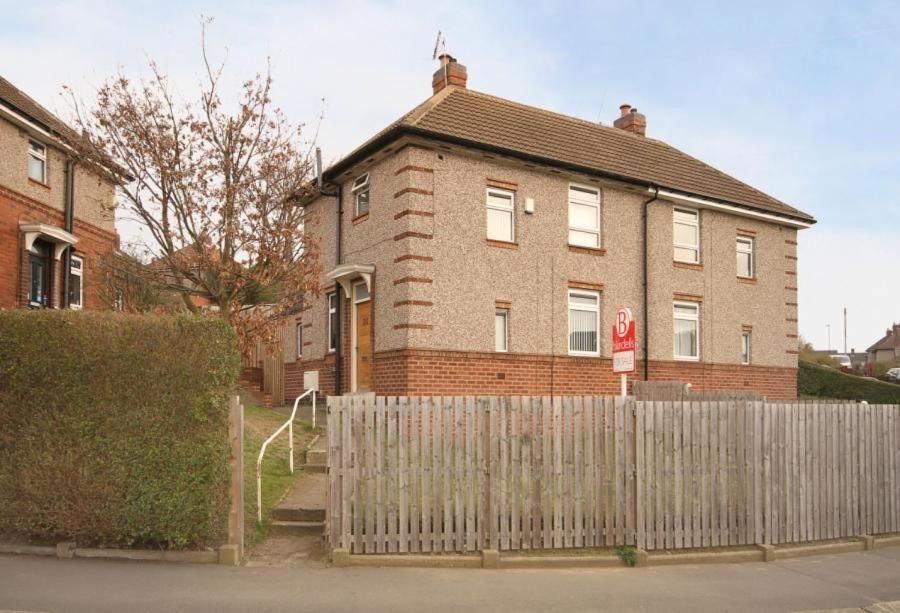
{"type": "Point", "coordinates": [707, 203]}
{"type": "Point", "coordinates": [646, 276]}
{"type": "Point", "coordinates": [34, 127]}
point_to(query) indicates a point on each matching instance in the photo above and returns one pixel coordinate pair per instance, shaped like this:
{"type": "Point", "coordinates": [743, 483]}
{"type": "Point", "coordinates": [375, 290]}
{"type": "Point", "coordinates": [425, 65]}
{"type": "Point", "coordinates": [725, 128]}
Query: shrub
{"type": "Point", "coordinates": [114, 428]}
{"type": "Point", "coordinates": [814, 380]}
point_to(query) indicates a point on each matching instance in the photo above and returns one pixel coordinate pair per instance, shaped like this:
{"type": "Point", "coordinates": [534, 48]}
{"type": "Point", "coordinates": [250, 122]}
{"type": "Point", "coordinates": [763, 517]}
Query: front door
{"type": "Point", "coordinates": [362, 338]}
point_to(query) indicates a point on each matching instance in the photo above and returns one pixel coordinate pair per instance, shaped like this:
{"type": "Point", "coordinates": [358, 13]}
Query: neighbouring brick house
{"type": "Point", "coordinates": [480, 246]}
{"type": "Point", "coordinates": [56, 218]}
{"type": "Point", "coordinates": [887, 349]}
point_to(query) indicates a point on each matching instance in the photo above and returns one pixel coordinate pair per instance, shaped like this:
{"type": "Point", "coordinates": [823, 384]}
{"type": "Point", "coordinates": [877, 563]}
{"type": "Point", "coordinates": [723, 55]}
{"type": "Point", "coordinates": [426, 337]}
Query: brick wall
{"type": "Point", "coordinates": [426, 372]}
{"type": "Point", "coordinates": [416, 371]}
{"type": "Point", "coordinates": [93, 243]}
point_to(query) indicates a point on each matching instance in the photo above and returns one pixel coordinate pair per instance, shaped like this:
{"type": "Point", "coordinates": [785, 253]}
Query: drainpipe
{"type": "Point", "coordinates": [69, 208]}
{"type": "Point", "coordinates": [337, 193]}
{"type": "Point", "coordinates": [338, 259]}
{"type": "Point", "coordinates": [646, 241]}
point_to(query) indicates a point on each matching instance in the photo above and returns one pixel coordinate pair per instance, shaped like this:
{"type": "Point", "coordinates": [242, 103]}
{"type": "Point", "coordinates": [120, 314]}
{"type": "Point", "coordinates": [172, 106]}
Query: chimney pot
{"type": "Point", "coordinates": [450, 72]}
{"type": "Point", "coordinates": [631, 120]}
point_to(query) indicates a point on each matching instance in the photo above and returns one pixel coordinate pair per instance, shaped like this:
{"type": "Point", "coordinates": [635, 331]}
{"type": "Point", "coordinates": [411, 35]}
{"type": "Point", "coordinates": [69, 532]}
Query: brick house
{"type": "Point", "coordinates": [480, 246]}
{"type": "Point", "coordinates": [56, 218]}
{"type": "Point", "coordinates": [887, 349]}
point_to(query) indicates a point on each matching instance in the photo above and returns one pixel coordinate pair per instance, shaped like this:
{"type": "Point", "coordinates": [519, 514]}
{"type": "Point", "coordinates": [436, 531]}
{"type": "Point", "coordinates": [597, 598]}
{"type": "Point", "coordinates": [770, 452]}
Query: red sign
{"type": "Point", "coordinates": [623, 343]}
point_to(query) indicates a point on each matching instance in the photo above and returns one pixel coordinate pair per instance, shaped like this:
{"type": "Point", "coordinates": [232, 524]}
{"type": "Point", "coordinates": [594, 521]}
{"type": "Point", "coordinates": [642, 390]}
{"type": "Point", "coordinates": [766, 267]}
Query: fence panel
{"type": "Point", "coordinates": [462, 474]}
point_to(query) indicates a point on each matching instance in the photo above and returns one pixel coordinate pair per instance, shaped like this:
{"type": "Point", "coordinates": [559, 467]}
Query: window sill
{"type": "Point", "coordinates": [687, 265]}
{"type": "Point", "coordinates": [747, 280]}
{"type": "Point", "coordinates": [587, 250]}
{"type": "Point", "coordinates": [685, 359]}
{"type": "Point", "coordinates": [38, 183]}
{"type": "Point", "coordinates": [578, 354]}
{"type": "Point", "coordinates": [360, 218]}
{"type": "Point", "coordinates": [502, 244]}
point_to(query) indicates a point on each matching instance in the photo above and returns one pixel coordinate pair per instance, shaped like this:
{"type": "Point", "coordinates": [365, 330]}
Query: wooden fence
{"type": "Point", "coordinates": [467, 474]}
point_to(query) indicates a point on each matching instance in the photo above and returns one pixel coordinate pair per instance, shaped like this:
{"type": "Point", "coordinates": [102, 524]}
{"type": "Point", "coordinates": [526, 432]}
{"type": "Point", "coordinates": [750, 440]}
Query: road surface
{"type": "Point", "coordinates": [851, 580]}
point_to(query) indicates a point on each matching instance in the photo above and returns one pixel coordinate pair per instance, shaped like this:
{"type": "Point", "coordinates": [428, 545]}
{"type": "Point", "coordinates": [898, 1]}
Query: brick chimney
{"type": "Point", "coordinates": [450, 73]}
{"type": "Point", "coordinates": [631, 120]}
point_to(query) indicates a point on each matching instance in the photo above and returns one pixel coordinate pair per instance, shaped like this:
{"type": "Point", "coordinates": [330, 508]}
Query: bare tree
{"type": "Point", "coordinates": [217, 192]}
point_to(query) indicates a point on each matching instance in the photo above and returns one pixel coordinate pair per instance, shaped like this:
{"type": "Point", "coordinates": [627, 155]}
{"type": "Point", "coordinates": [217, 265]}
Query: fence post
{"type": "Point", "coordinates": [236, 443]}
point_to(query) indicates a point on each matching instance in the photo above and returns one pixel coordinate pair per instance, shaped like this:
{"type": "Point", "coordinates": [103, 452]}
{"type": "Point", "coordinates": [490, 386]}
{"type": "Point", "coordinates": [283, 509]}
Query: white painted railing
{"type": "Point", "coordinates": [289, 424]}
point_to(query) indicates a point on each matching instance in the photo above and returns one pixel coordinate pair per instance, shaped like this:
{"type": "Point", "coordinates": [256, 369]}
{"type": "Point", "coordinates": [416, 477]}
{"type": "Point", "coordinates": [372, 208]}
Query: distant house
{"type": "Point", "coordinates": [57, 218]}
{"type": "Point", "coordinates": [887, 349]}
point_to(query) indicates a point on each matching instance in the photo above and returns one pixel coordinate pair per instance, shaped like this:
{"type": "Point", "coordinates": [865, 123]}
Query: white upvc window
{"type": "Point", "coordinates": [745, 347]}
{"type": "Point", "coordinates": [299, 333]}
{"type": "Point", "coordinates": [584, 216]}
{"type": "Point", "coordinates": [332, 322]}
{"type": "Point", "coordinates": [37, 161]}
{"type": "Point", "coordinates": [584, 322]}
{"type": "Point", "coordinates": [361, 194]}
{"type": "Point", "coordinates": [501, 215]}
{"type": "Point", "coordinates": [76, 283]}
{"type": "Point", "coordinates": [745, 263]}
{"type": "Point", "coordinates": [686, 234]}
{"type": "Point", "coordinates": [686, 330]}
{"type": "Point", "coordinates": [501, 330]}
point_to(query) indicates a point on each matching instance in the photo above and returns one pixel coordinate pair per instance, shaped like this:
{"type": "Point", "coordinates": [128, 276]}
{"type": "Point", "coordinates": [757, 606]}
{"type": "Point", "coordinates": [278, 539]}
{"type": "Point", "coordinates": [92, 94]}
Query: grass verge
{"type": "Point", "coordinates": [259, 424]}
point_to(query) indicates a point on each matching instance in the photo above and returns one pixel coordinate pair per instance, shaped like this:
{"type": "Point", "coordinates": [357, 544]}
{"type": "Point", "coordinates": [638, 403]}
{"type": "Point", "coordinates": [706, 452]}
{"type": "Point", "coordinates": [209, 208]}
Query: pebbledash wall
{"type": "Point", "coordinates": [438, 280]}
{"type": "Point", "coordinates": [24, 200]}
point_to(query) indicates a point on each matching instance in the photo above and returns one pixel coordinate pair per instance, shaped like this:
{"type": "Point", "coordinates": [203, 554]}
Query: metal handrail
{"type": "Point", "coordinates": [289, 424]}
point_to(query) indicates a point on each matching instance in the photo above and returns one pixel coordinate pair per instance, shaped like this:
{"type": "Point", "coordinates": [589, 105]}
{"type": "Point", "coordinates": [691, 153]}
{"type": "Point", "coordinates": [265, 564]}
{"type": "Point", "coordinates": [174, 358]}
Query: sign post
{"type": "Point", "coordinates": [623, 346]}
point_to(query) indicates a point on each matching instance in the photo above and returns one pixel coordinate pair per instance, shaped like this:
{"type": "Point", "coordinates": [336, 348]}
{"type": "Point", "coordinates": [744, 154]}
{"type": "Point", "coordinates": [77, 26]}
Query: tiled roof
{"type": "Point", "coordinates": [14, 98]}
{"type": "Point", "coordinates": [479, 119]}
{"type": "Point", "coordinates": [889, 341]}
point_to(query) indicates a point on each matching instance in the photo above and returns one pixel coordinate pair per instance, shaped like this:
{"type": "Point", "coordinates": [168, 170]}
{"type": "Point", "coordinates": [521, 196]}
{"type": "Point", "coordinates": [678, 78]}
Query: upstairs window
{"type": "Point", "coordinates": [686, 233]}
{"type": "Point", "coordinates": [37, 162]}
{"type": "Point", "coordinates": [745, 257]}
{"type": "Point", "coordinates": [76, 283]}
{"type": "Point", "coordinates": [332, 322]}
{"type": "Point", "coordinates": [501, 330]}
{"type": "Point", "coordinates": [584, 322]}
{"type": "Point", "coordinates": [501, 215]}
{"type": "Point", "coordinates": [687, 331]}
{"type": "Point", "coordinates": [584, 216]}
{"type": "Point", "coordinates": [361, 193]}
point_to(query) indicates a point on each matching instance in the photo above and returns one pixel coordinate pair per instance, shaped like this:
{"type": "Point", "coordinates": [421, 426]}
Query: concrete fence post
{"type": "Point", "coordinates": [233, 552]}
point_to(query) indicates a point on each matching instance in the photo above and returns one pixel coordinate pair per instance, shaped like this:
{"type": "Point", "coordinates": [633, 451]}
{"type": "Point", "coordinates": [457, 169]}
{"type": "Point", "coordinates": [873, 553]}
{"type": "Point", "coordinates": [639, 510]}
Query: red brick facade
{"type": "Point", "coordinates": [93, 243]}
{"type": "Point", "coordinates": [426, 372]}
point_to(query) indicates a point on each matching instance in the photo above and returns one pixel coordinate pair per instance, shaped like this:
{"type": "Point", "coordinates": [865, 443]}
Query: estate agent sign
{"type": "Point", "coordinates": [623, 346]}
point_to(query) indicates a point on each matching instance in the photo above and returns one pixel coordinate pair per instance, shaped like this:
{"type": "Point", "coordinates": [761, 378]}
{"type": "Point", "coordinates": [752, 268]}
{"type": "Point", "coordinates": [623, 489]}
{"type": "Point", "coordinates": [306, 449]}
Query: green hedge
{"type": "Point", "coordinates": [114, 428]}
{"type": "Point", "coordinates": [814, 380]}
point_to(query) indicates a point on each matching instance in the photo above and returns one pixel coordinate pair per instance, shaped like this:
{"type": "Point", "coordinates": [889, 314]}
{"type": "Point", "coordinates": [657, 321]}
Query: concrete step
{"type": "Point", "coordinates": [297, 528]}
{"type": "Point", "coordinates": [283, 513]}
{"type": "Point", "coordinates": [316, 456]}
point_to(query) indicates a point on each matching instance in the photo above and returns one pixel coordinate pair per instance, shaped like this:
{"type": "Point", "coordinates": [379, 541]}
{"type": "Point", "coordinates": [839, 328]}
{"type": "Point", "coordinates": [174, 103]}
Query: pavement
{"type": "Point", "coordinates": [847, 581]}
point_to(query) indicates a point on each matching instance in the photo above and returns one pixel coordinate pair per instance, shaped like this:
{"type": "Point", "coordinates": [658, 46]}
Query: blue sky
{"type": "Point", "coordinates": [798, 99]}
